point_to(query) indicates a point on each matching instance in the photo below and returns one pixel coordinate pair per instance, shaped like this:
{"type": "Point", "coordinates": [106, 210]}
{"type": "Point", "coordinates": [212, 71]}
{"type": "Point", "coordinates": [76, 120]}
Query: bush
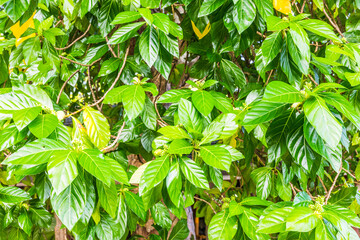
{"type": "Point", "coordinates": [115, 115]}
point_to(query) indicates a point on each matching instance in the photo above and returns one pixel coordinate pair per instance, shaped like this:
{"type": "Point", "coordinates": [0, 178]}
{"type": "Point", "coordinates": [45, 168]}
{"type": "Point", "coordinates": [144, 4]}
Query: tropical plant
{"type": "Point", "coordinates": [115, 115]}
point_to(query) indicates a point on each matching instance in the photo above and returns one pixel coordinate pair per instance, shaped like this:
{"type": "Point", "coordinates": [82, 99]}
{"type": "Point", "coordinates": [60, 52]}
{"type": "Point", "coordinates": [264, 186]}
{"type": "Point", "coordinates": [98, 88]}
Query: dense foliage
{"type": "Point", "coordinates": [121, 114]}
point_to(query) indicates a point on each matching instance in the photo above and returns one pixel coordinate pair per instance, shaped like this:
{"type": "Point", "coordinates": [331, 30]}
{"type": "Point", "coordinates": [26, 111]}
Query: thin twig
{"type": "Point", "coordinates": [115, 143]}
{"type": "Point", "coordinates": [313, 80]}
{"type": "Point", "coordinates": [78, 63]}
{"type": "Point", "coordinates": [348, 172]}
{"type": "Point", "coordinates": [111, 87]}
{"type": "Point", "coordinates": [200, 199]}
{"type": "Point", "coordinates": [91, 90]}
{"type": "Point", "coordinates": [322, 183]}
{"type": "Point", "coordinates": [63, 86]}
{"type": "Point", "coordinates": [333, 185]}
{"type": "Point", "coordinates": [64, 48]}
{"type": "Point", "coordinates": [110, 48]}
{"type": "Point", "coordinates": [330, 20]}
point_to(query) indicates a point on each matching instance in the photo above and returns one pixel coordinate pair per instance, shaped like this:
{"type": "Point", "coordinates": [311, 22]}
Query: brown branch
{"type": "Point", "coordinates": [200, 199]}
{"type": "Point", "coordinates": [64, 48]}
{"type": "Point", "coordinates": [116, 142]}
{"type": "Point", "coordinates": [63, 86]}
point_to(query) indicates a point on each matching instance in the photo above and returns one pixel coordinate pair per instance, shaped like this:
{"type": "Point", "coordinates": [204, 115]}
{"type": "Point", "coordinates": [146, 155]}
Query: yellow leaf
{"type": "Point", "coordinates": [283, 6]}
{"type": "Point", "coordinates": [19, 30]}
{"type": "Point", "coordinates": [199, 34]}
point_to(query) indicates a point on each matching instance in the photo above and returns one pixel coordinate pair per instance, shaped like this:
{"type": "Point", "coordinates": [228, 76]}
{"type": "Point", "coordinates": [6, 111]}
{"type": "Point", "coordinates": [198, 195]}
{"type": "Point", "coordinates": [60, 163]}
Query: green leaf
{"type": "Point", "coordinates": [62, 170]}
{"type": "Point", "coordinates": [222, 103]}
{"type": "Point", "coordinates": [277, 91]}
{"type": "Point", "coordinates": [10, 135]}
{"type": "Point", "coordinates": [180, 231]}
{"type": "Point", "coordinates": [342, 105]}
{"type": "Point", "coordinates": [136, 205]}
{"type": "Point", "coordinates": [108, 197]}
{"type": "Point", "coordinates": [148, 115]}
{"type": "Point", "coordinates": [117, 171]}
{"type": "Point", "coordinates": [216, 177]}
{"type": "Point", "coordinates": [222, 226]}
{"type": "Point", "coordinates": [70, 203]}
{"type": "Point", "coordinates": [320, 28]}
{"type": "Point", "coordinates": [232, 74]}
{"type": "Point", "coordinates": [272, 46]}
{"type": "Point", "coordinates": [301, 219]}
{"type": "Point", "coordinates": [189, 116]}
{"type": "Point", "coordinates": [353, 78]}
{"type": "Point", "coordinates": [175, 95]}
{"type": "Point", "coordinates": [11, 102]}
{"type": "Point", "coordinates": [323, 120]}
{"type": "Point", "coordinates": [115, 95]}
{"type": "Point", "coordinates": [265, 8]}
{"type": "Point", "coordinates": [322, 231]}
{"type": "Point", "coordinates": [174, 184]}
{"type": "Point", "coordinates": [244, 14]}
{"type": "Point", "coordinates": [162, 21]}
{"type": "Point", "coordinates": [298, 146]}
{"type": "Point", "coordinates": [203, 101]}
{"type": "Point", "coordinates": [13, 195]}
{"type": "Point", "coordinates": [154, 173]}
{"type": "Point", "coordinates": [276, 24]}
{"type": "Point", "coordinates": [149, 45]}
{"type": "Point", "coordinates": [176, 30]}
{"type": "Point", "coordinates": [180, 146]}
{"type": "Point", "coordinates": [126, 17]}
{"type": "Point", "coordinates": [133, 99]}
{"type": "Point", "coordinates": [122, 216]}
{"type": "Point", "coordinates": [216, 156]}
{"type": "Point", "coordinates": [109, 66]}
{"type": "Point", "coordinates": [299, 47]}
{"type": "Point", "coordinates": [106, 14]}
{"type": "Point", "coordinates": [344, 213]}
{"type": "Point", "coordinates": [16, 8]}
{"type": "Point", "coordinates": [93, 161]}
{"type": "Point", "coordinates": [209, 6]}
{"type": "Point", "coordinates": [25, 222]}
{"type": "Point", "coordinates": [333, 155]}
{"type": "Point", "coordinates": [249, 223]}
{"type": "Point", "coordinates": [193, 172]}
{"type": "Point", "coordinates": [163, 62]}
{"type": "Point", "coordinates": [283, 189]}
{"type": "Point", "coordinates": [36, 152]}
{"type": "Point", "coordinates": [344, 197]}
{"type": "Point", "coordinates": [263, 179]}
{"type": "Point", "coordinates": [264, 111]}
{"type": "Point", "coordinates": [97, 127]}
{"type": "Point", "coordinates": [161, 216]}
{"type": "Point", "coordinates": [345, 229]}
{"type": "Point", "coordinates": [174, 132]}
{"type": "Point", "coordinates": [23, 117]}
{"type": "Point", "coordinates": [169, 43]}
{"type": "Point", "coordinates": [274, 221]}
{"type": "Point", "coordinates": [43, 125]}
{"type": "Point", "coordinates": [126, 32]}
